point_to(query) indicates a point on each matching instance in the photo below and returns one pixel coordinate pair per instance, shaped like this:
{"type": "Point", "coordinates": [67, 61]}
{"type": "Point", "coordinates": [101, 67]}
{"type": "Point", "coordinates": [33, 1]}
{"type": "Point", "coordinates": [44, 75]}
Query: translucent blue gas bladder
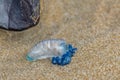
{"type": "Point", "coordinates": [57, 50]}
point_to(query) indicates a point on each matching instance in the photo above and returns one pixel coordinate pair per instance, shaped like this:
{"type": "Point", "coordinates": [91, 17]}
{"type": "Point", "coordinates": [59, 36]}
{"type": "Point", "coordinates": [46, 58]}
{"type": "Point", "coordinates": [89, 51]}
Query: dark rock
{"type": "Point", "coordinates": [19, 14]}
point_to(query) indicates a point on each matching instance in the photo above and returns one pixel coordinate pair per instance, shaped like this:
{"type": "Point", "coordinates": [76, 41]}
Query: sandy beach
{"type": "Point", "coordinates": [93, 26]}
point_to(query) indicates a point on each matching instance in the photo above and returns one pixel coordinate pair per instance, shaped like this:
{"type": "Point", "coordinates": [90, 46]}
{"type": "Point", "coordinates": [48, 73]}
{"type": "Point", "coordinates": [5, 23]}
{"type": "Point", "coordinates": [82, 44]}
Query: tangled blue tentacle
{"type": "Point", "coordinates": [66, 57]}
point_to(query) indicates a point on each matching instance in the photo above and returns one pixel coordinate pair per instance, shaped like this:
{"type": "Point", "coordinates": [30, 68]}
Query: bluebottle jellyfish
{"type": "Point", "coordinates": [57, 50]}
